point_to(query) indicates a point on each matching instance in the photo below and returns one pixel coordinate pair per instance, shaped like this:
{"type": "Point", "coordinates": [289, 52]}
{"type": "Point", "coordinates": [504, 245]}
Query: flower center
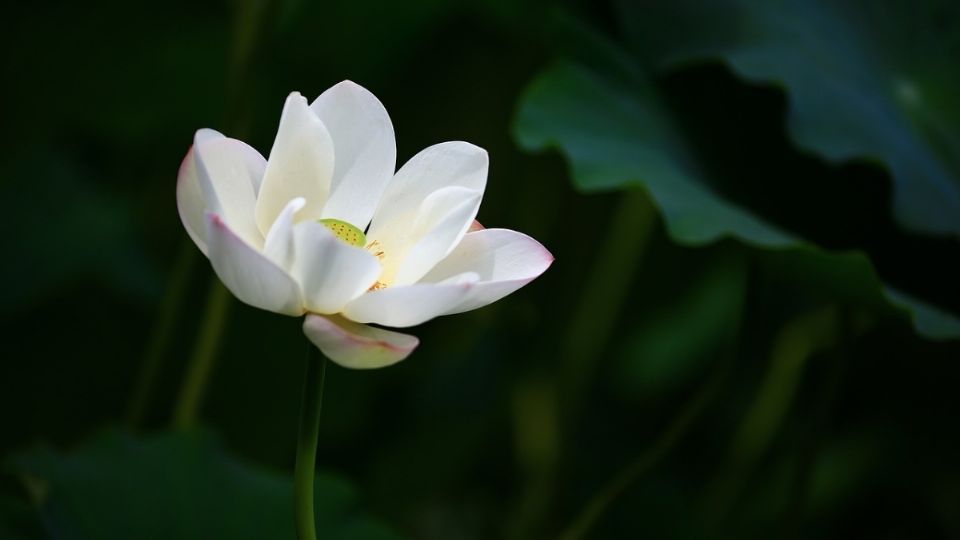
{"type": "Point", "coordinates": [345, 231]}
{"type": "Point", "coordinates": [355, 237]}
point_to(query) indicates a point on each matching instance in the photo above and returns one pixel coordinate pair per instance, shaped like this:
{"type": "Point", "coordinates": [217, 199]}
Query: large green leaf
{"type": "Point", "coordinates": [177, 485]}
{"type": "Point", "coordinates": [617, 134]}
{"type": "Point", "coordinates": [873, 80]}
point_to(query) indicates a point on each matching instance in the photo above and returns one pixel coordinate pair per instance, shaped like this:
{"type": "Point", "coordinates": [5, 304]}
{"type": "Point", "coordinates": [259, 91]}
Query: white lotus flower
{"type": "Point", "coordinates": [290, 234]}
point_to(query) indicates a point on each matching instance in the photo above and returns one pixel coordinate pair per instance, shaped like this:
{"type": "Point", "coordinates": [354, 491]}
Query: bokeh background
{"type": "Point", "coordinates": [748, 331]}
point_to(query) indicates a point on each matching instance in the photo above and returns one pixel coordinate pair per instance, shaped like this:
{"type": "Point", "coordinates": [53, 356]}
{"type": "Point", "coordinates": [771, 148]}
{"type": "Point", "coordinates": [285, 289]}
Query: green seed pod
{"type": "Point", "coordinates": [346, 232]}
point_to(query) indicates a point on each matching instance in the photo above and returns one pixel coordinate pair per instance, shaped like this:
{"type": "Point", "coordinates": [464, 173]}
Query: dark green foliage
{"type": "Point", "coordinates": [752, 316]}
{"type": "Point", "coordinates": [178, 485]}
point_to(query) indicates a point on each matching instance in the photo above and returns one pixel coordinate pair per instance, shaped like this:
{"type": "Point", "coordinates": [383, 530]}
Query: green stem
{"type": "Point", "coordinates": [204, 355]}
{"type": "Point", "coordinates": [160, 335]}
{"type": "Point", "coordinates": [589, 330]}
{"type": "Point", "coordinates": [626, 477]}
{"type": "Point", "coordinates": [303, 475]}
{"type": "Point", "coordinates": [809, 446]}
{"type": "Point", "coordinates": [249, 20]}
{"type": "Point", "coordinates": [603, 297]}
{"type": "Point", "coordinates": [799, 340]}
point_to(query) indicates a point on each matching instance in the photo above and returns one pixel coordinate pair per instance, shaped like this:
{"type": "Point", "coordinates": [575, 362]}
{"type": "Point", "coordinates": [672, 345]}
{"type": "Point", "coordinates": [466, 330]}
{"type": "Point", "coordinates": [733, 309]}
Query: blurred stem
{"type": "Point", "coordinates": [536, 445]}
{"type": "Point", "coordinates": [160, 334]}
{"type": "Point", "coordinates": [304, 470]}
{"type": "Point", "coordinates": [599, 307]}
{"type": "Point", "coordinates": [251, 17]}
{"type": "Point", "coordinates": [669, 438]}
{"type": "Point", "coordinates": [810, 444]}
{"type": "Point", "coordinates": [204, 355]}
{"type": "Point", "coordinates": [248, 20]}
{"type": "Point", "coordinates": [604, 294]}
{"type": "Point", "coordinates": [794, 345]}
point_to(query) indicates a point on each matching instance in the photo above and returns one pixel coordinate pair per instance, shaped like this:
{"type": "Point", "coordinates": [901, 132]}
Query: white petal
{"type": "Point", "coordinates": [365, 147]}
{"type": "Point", "coordinates": [227, 172]}
{"type": "Point", "coordinates": [248, 274]}
{"type": "Point", "coordinates": [278, 246]}
{"type": "Point", "coordinates": [190, 203]}
{"type": "Point", "coordinates": [330, 271]}
{"type": "Point", "coordinates": [357, 346]}
{"type": "Point", "coordinates": [425, 210]}
{"type": "Point", "coordinates": [442, 221]}
{"type": "Point", "coordinates": [446, 164]}
{"type": "Point", "coordinates": [505, 261]}
{"type": "Point", "coordinates": [300, 165]}
{"type": "Point", "coordinates": [207, 134]}
{"type": "Point", "coordinates": [410, 305]}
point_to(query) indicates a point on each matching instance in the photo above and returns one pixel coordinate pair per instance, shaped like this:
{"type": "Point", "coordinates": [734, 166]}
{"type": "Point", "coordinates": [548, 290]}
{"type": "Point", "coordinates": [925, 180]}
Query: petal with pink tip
{"type": "Point", "coordinates": [221, 175]}
{"type": "Point", "coordinates": [505, 260]}
{"type": "Point", "coordinates": [357, 346]}
{"type": "Point", "coordinates": [190, 203]}
{"type": "Point", "coordinates": [248, 274]}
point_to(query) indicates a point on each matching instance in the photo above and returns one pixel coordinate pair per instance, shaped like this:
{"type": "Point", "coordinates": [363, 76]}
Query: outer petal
{"type": "Point", "coordinates": [505, 260]}
{"type": "Point", "coordinates": [357, 346]}
{"type": "Point", "coordinates": [300, 165]}
{"type": "Point", "coordinates": [190, 203]}
{"type": "Point", "coordinates": [248, 274]}
{"type": "Point", "coordinates": [330, 271]}
{"type": "Point", "coordinates": [365, 147]}
{"type": "Point", "coordinates": [221, 175]}
{"type": "Point", "coordinates": [410, 305]}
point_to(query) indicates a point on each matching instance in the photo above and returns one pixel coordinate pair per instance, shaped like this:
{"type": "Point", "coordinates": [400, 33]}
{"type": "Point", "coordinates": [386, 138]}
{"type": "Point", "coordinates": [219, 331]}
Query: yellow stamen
{"type": "Point", "coordinates": [375, 248]}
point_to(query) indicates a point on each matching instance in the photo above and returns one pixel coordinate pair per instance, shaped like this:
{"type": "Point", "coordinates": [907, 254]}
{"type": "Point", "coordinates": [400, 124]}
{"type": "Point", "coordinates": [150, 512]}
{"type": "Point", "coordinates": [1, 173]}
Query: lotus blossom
{"type": "Point", "coordinates": [326, 227]}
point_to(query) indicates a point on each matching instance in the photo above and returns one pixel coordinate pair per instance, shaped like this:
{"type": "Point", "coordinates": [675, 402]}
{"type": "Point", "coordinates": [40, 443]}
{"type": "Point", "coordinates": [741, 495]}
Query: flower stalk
{"type": "Point", "coordinates": [203, 358]}
{"type": "Point", "coordinates": [304, 470]}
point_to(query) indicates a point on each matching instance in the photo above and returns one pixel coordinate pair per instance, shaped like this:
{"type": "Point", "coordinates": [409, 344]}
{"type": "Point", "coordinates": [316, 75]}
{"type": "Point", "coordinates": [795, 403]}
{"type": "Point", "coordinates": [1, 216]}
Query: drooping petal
{"type": "Point", "coordinates": [248, 274]}
{"type": "Point", "coordinates": [357, 346]}
{"type": "Point", "coordinates": [300, 165]}
{"type": "Point", "coordinates": [279, 245]}
{"type": "Point", "coordinates": [224, 172]}
{"type": "Point", "coordinates": [330, 271]}
{"type": "Point", "coordinates": [505, 260]}
{"type": "Point", "coordinates": [365, 147]}
{"type": "Point", "coordinates": [410, 305]}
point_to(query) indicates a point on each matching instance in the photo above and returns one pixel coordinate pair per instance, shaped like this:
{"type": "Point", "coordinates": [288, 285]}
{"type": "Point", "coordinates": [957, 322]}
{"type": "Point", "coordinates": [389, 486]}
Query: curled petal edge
{"type": "Point", "coordinates": [357, 346]}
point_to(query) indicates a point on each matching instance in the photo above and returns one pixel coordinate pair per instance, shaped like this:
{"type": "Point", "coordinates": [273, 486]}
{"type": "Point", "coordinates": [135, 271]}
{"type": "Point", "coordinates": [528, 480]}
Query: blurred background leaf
{"type": "Point", "coordinates": [185, 486]}
{"type": "Point", "coordinates": [621, 135]}
{"type": "Point", "coordinates": [864, 81]}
